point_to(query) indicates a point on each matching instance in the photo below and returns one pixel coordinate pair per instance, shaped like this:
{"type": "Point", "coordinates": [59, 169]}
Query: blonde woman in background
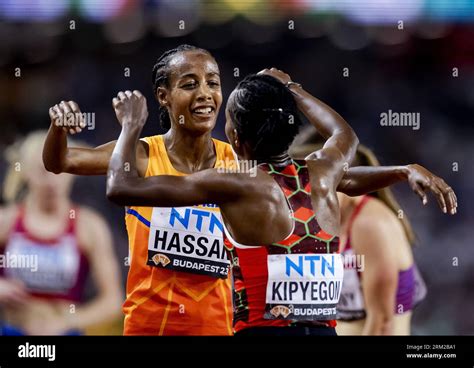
{"type": "Point", "coordinates": [58, 243]}
{"type": "Point", "coordinates": [381, 282]}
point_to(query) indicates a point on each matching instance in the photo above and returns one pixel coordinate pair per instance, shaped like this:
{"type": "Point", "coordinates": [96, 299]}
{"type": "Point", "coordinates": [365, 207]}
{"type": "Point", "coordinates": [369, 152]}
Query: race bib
{"type": "Point", "coordinates": [188, 239]}
{"type": "Point", "coordinates": [303, 286]}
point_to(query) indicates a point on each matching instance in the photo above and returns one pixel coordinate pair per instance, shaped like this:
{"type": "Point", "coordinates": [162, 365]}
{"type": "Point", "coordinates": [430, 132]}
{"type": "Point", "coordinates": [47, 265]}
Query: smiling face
{"type": "Point", "coordinates": [193, 96]}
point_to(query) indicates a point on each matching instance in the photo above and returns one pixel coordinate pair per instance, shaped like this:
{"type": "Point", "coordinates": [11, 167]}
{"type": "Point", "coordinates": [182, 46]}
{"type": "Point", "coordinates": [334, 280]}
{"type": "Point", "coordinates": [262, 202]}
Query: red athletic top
{"type": "Point", "coordinates": [50, 268]}
{"type": "Point", "coordinates": [298, 279]}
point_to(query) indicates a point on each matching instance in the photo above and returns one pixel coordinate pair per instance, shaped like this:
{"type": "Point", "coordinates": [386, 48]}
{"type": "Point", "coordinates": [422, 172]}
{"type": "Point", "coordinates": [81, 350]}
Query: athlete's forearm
{"type": "Point", "coordinates": [59, 158]}
{"type": "Point", "coordinates": [361, 180]}
{"type": "Point", "coordinates": [328, 123]}
{"type": "Point", "coordinates": [55, 150]}
{"type": "Point", "coordinates": [122, 172]}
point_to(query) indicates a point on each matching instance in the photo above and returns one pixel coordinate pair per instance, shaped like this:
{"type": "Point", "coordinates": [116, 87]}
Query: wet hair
{"type": "Point", "coordinates": [160, 77]}
{"type": "Point", "coordinates": [264, 114]}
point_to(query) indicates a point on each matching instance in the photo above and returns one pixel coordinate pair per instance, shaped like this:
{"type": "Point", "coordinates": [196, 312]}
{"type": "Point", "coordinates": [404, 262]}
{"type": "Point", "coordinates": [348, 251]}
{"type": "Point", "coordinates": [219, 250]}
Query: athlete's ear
{"type": "Point", "coordinates": [162, 96]}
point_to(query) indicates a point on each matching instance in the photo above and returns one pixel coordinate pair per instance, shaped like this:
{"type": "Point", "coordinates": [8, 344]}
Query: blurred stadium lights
{"type": "Point", "coordinates": [312, 25]}
{"type": "Point", "coordinates": [33, 10]}
{"type": "Point", "coordinates": [126, 28]}
{"type": "Point", "coordinates": [291, 6]}
{"type": "Point", "coordinates": [388, 35]}
{"type": "Point", "coordinates": [349, 36]}
{"type": "Point", "coordinates": [259, 11]}
{"type": "Point", "coordinates": [381, 11]}
{"type": "Point", "coordinates": [431, 30]}
{"type": "Point", "coordinates": [175, 18]}
{"type": "Point", "coordinates": [242, 6]}
{"type": "Point", "coordinates": [217, 12]}
{"type": "Point", "coordinates": [127, 21]}
{"type": "Point", "coordinates": [450, 10]}
{"type": "Point", "coordinates": [99, 11]}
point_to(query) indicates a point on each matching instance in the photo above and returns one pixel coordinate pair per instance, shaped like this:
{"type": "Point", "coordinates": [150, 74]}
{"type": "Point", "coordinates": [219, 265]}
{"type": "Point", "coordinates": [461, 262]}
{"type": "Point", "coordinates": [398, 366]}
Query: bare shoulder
{"type": "Point", "coordinates": [376, 230]}
{"type": "Point", "coordinates": [375, 213]}
{"type": "Point", "coordinates": [7, 219]}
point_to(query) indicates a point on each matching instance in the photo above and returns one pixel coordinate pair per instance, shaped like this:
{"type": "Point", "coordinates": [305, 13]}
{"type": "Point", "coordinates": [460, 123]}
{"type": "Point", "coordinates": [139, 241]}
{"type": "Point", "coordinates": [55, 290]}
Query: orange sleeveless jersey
{"type": "Point", "coordinates": [178, 282]}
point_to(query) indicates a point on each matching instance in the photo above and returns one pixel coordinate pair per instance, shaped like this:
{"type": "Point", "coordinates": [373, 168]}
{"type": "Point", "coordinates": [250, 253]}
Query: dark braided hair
{"type": "Point", "coordinates": [160, 77]}
{"type": "Point", "coordinates": [265, 115]}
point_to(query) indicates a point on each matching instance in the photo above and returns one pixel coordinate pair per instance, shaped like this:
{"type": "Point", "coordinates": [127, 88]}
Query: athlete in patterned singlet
{"type": "Point", "coordinates": [381, 284]}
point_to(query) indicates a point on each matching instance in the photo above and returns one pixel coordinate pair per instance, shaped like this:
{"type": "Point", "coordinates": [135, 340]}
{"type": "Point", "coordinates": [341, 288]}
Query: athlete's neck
{"type": "Point", "coordinates": [279, 160]}
{"type": "Point", "coordinates": [47, 205]}
{"type": "Point", "coordinates": [193, 153]}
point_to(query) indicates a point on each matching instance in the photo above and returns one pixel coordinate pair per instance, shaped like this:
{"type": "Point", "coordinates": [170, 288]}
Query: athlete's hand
{"type": "Point", "coordinates": [67, 116]}
{"type": "Point", "coordinates": [277, 74]}
{"type": "Point", "coordinates": [130, 108]}
{"type": "Point", "coordinates": [12, 293]}
{"type": "Point", "coordinates": [421, 180]}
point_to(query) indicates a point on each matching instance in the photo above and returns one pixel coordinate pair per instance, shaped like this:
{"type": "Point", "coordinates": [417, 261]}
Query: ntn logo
{"type": "Point", "coordinates": [312, 260]}
{"type": "Point", "coordinates": [198, 217]}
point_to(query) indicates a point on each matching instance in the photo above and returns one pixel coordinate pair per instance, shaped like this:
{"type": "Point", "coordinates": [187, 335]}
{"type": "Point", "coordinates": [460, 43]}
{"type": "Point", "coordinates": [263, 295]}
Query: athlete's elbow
{"type": "Point", "coordinates": [353, 141]}
{"type": "Point", "coordinates": [321, 187]}
{"type": "Point", "coordinates": [52, 167]}
{"type": "Point", "coordinates": [116, 193]}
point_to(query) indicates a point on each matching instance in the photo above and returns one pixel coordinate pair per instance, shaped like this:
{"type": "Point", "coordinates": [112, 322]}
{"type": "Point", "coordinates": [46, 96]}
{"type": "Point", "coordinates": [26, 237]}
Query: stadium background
{"type": "Point", "coordinates": [405, 56]}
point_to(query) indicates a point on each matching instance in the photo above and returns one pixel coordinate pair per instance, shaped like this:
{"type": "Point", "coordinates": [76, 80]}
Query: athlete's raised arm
{"type": "Point", "coordinates": [66, 118]}
{"type": "Point", "coordinates": [327, 166]}
{"type": "Point", "coordinates": [341, 140]}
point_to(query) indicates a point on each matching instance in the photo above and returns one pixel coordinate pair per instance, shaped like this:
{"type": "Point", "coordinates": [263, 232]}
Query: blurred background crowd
{"type": "Point", "coordinates": [363, 58]}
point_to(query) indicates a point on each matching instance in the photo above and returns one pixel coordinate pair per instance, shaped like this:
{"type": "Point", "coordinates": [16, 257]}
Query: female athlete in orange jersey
{"type": "Point", "coordinates": [189, 291]}
{"type": "Point", "coordinates": [262, 212]}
